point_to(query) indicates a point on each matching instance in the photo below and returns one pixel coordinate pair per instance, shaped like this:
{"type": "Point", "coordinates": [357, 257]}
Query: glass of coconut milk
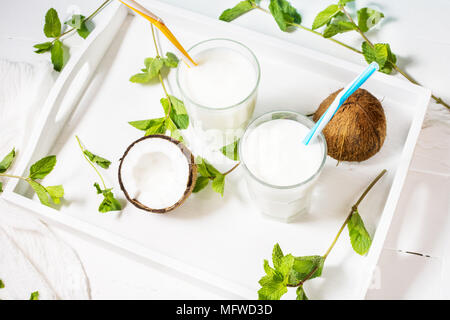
{"type": "Point", "coordinates": [280, 170]}
{"type": "Point", "coordinates": [220, 92]}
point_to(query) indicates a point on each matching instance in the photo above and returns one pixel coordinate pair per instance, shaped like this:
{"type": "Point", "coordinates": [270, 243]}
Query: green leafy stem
{"type": "Point", "coordinates": [207, 172]}
{"type": "Point", "coordinates": [290, 271]}
{"type": "Point", "coordinates": [53, 30]}
{"type": "Point", "coordinates": [109, 202]}
{"type": "Point", "coordinates": [335, 19]}
{"type": "Point", "coordinates": [39, 170]}
{"type": "Point", "coordinates": [175, 114]}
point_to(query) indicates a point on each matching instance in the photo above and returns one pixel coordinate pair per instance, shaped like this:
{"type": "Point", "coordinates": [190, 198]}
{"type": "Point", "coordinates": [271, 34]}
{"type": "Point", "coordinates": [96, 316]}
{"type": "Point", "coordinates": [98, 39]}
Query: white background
{"type": "Point", "coordinates": [417, 31]}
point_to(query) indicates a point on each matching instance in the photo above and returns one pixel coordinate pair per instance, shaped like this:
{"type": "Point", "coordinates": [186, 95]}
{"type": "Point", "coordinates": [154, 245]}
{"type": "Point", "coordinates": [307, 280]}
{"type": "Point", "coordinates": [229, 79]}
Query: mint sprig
{"type": "Point", "coordinates": [175, 115]}
{"type": "Point", "coordinates": [39, 170]}
{"type": "Point", "coordinates": [153, 66]}
{"type": "Point", "coordinates": [289, 271]}
{"type": "Point", "coordinates": [335, 20]}
{"type": "Point", "coordinates": [206, 173]}
{"type": "Point", "coordinates": [53, 30]}
{"type": "Point", "coordinates": [175, 119]}
{"type": "Point", "coordinates": [109, 202]}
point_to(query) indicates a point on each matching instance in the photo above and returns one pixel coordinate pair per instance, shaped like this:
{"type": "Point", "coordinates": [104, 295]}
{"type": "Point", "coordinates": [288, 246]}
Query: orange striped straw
{"type": "Point", "coordinates": [157, 22]}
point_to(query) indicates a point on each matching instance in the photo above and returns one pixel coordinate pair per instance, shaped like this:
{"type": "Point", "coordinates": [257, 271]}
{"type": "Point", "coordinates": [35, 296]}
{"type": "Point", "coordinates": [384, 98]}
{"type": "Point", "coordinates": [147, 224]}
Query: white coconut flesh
{"type": "Point", "coordinates": [155, 172]}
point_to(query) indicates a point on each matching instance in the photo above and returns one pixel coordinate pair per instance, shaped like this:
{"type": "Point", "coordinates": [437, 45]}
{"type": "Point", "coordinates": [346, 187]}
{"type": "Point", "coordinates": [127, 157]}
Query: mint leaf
{"type": "Point", "coordinates": [174, 132]}
{"type": "Point", "coordinates": [141, 78]}
{"type": "Point", "coordinates": [367, 18]}
{"type": "Point", "coordinates": [52, 26]}
{"type": "Point", "coordinates": [76, 21]}
{"type": "Point", "coordinates": [152, 68]}
{"type": "Point", "coordinates": [202, 167]}
{"type": "Point", "coordinates": [238, 10]}
{"type": "Point", "coordinates": [218, 184]}
{"type": "Point", "coordinates": [273, 285]}
{"type": "Point", "coordinates": [359, 236]}
{"type": "Point", "coordinates": [56, 193]}
{"type": "Point", "coordinates": [273, 289]}
{"type": "Point", "coordinates": [85, 29]}
{"type": "Point", "coordinates": [97, 186]}
{"type": "Point", "coordinates": [40, 191]}
{"type": "Point", "coordinates": [178, 112]}
{"type": "Point", "coordinates": [339, 24]}
{"type": "Point", "coordinates": [200, 184]}
{"type": "Point", "coordinates": [301, 295]}
{"type": "Point", "coordinates": [7, 161]}
{"type": "Point", "coordinates": [277, 256]}
{"type": "Point", "coordinates": [335, 28]}
{"type": "Point", "coordinates": [303, 266]}
{"type": "Point", "coordinates": [213, 172]}
{"type": "Point", "coordinates": [1, 187]}
{"type": "Point", "coordinates": [102, 162]}
{"type": "Point", "coordinates": [285, 266]}
{"type": "Point", "coordinates": [231, 150]}
{"type": "Point", "coordinates": [284, 14]}
{"type": "Point", "coordinates": [151, 126]}
{"type": "Point", "coordinates": [34, 295]}
{"type": "Point", "coordinates": [171, 61]}
{"type": "Point", "coordinates": [155, 67]}
{"type": "Point", "coordinates": [145, 124]}
{"type": "Point", "coordinates": [109, 203]}
{"type": "Point", "coordinates": [57, 55]}
{"type": "Point", "coordinates": [207, 170]}
{"type": "Point", "coordinates": [158, 126]}
{"type": "Point", "coordinates": [43, 47]}
{"type": "Point", "coordinates": [325, 16]}
{"type": "Point", "coordinates": [382, 54]}
{"type": "Point", "coordinates": [42, 168]}
{"type": "Point", "coordinates": [83, 26]}
{"type": "Point", "coordinates": [2, 285]}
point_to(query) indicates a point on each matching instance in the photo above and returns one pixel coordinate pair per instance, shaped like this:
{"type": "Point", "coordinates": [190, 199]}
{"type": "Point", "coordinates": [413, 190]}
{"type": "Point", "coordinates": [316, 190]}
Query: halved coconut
{"type": "Point", "coordinates": [157, 173]}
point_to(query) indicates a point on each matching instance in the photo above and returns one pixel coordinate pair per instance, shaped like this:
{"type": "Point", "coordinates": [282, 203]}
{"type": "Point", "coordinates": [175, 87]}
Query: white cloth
{"type": "Point", "coordinates": [32, 258]}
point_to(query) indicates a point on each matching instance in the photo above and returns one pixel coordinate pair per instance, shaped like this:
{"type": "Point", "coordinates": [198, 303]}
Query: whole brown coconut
{"type": "Point", "coordinates": [357, 130]}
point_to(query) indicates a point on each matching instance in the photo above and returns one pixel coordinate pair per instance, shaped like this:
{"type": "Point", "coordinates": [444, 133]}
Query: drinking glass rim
{"type": "Point", "coordinates": [185, 96]}
{"type": "Point", "coordinates": [311, 123]}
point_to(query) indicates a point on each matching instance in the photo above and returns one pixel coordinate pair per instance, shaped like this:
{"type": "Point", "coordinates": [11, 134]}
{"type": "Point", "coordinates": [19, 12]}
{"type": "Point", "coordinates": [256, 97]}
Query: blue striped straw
{"type": "Point", "coordinates": [339, 101]}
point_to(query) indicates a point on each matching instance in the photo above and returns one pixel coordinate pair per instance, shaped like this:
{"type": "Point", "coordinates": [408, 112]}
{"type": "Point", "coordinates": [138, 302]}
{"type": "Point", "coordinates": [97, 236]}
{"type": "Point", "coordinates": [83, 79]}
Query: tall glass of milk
{"type": "Point", "coordinates": [280, 170]}
{"type": "Point", "coordinates": [220, 92]}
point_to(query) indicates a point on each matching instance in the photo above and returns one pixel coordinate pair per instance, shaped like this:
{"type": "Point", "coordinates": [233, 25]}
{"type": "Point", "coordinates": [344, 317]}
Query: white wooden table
{"type": "Point", "coordinates": [416, 257]}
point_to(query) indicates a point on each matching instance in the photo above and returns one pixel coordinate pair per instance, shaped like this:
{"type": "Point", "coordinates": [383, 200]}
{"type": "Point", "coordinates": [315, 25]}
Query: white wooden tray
{"type": "Point", "coordinates": [219, 243]}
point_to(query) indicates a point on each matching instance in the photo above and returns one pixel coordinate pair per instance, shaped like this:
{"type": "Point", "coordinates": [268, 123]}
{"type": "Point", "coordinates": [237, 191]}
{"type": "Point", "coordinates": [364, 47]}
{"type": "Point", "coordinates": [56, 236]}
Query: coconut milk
{"type": "Point", "coordinates": [281, 169]}
{"type": "Point", "coordinates": [220, 93]}
{"type": "Point", "coordinates": [223, 78]}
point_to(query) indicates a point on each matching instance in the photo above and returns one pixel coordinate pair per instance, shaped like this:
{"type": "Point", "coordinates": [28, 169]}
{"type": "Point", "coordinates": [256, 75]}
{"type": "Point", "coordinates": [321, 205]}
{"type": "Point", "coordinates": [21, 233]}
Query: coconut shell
{"type": "Point", "coordinates": [190, 183]}
{"type": "Point", "coordinates": [357, 130]}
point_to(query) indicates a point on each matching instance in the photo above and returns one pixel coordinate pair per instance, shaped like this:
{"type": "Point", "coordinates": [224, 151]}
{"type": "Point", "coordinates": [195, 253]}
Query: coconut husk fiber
{"type": "Point", "coordinates": [357, 130]}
